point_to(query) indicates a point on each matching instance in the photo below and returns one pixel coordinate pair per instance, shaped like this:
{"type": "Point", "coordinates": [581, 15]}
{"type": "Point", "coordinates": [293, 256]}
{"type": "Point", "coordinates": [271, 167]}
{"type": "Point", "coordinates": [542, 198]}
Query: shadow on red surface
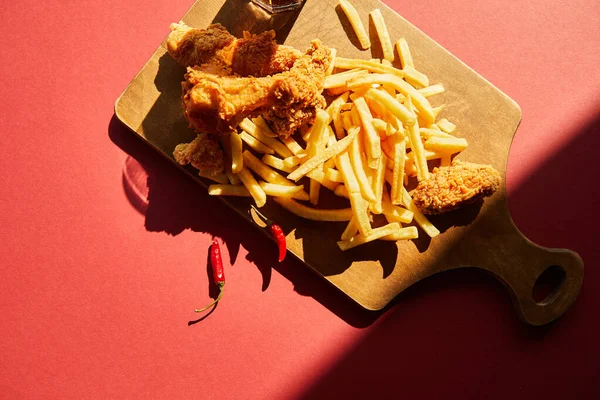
{"type": "Point", "coordinates": [463, 318]}
{"type": "Point", "coordinates": [176, 203]}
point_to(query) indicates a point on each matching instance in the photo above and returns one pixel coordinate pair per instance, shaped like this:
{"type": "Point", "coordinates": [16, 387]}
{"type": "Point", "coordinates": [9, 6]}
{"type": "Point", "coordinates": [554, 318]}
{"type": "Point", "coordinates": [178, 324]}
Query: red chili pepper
{"type": "Point", "coordinates": [276, 232]}
{"type": "Point", "coordinates": [218, 274]}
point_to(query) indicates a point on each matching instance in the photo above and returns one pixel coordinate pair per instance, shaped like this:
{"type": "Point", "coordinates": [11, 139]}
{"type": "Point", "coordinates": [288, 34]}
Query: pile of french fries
{"type": "Point", "coordinates": [378, 131]}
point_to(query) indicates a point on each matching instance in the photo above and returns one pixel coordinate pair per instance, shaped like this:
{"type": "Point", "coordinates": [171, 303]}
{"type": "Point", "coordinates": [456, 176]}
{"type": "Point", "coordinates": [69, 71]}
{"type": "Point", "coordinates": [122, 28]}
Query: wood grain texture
{"type": "Point", "coordinates": [482, 236]}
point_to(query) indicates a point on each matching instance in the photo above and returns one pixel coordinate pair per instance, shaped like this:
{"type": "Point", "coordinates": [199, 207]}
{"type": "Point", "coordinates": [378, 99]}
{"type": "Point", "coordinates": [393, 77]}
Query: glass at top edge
{"type": "Point", "coordinates": [277, 6]}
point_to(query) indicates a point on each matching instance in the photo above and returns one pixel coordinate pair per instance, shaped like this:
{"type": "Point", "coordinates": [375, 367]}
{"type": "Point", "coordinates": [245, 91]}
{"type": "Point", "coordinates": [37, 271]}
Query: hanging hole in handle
{"type": "Point", "coordinates": [548, 284]}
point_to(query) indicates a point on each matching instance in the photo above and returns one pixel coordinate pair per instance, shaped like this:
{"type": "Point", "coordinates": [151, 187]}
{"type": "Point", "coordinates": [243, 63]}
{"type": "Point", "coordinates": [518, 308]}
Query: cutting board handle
{"type": "Point", "coordinates": [565, 265]}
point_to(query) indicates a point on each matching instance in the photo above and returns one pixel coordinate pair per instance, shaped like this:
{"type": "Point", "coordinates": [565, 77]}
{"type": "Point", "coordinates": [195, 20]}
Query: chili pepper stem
{"type": "Point", "coordinates": [221, 287]}
{"type": "Point", "coordinates": [261, 215]}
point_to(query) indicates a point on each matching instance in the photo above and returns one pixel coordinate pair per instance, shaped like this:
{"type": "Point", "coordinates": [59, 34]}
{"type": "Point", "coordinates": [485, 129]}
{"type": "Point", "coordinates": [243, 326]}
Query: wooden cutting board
{"type": "Point", "coordinates": [373, 274]}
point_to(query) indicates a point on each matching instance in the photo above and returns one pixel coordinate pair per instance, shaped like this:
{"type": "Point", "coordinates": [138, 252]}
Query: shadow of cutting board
{"type": "Point", "coordinates": [373, 274]}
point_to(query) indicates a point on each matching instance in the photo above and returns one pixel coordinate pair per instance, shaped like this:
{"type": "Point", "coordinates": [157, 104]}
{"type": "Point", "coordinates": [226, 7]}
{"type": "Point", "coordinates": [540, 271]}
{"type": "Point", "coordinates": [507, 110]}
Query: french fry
{"type": "Point", "coordinates": [375, 234]}
{"type": "Point", "coordinates": [382, 33]}
{"type": "Point", "coordinates": [416, 78]}
{"type": "Point", "coordinates": [372, 141]}
{"type": "Point", "coordinates": [394, 213]}
{"type": "Point", "coordinates": [292, 161]}
{"type": "Point", "coordinates": [417, 147]}
{"type": "Point", "coordinates": [256, 144]}
{"type": "Point", "coordinates": [263, 170]}
{"type": "Point", "coordinates": [316, 132]}
{"type": "Point", "coordinates": [421, 220]}
{"type": "Point", "coordinates": [351, 229]}
{"type": "Point", "coordinates": [237, 161]}
{"type": "Point", "coordinates": [446, 160]}
{"type": "Point", "coordinates": [257, 193]}
{"type": "Point", "coordinates": [356, 23]}
{"type": "Point", "coordinates": [404, 54]}
{"type": "Point", "coordinates": [371, 66]}
{"type": "Point", "coordinates": [345, 167]}
{"type": "Point", "coordinates": [448, 145]}
{"type": "Point", "coordinates": [380, 126]}
{"type": "Point", "coordinates": [359, 171]}
{"type": "Point", "coordinates": [427, 133]}
{"type": "Point", "coordinates": [314, 214]}
{"type": "Point", "coordinates": [392, 105]}
{"type": "Point", "coordinates": [323, 156]}
{"type": "Point", "coordinates": [359, 210]}
{"type": "Point", "coordinates": [228, 190]}
{"type": "Point", "coordinates": [315, 188]}
{"type": "Point", "coordinates": [378, 182]}
{"type": "Point", "coordinates": [341, 191]}
{"type": "Point", "coordinates": [259, 133]}
{"type": "Point", "coordinates": [295, 192]}
{"type": "Point", "coordinates": [276, 163]}
{"type": "Point", "coordinates": [437, 111]}
{"type": "Point", "coordinates": [432, 90]}
{"type": "Point", "coordinates": [233, 178]}
{"type": "Point", "coordinates": [420, 102]}
{"type": "Point", "coordinates": [446, 125]}
{"type": "Point", "coordinates": [318, 175]}
{"type": "Point", "coordinates": [334, 108]}
{"type": "Point", "coordinates": [340, 80]}
{"type": "Point", "coordinates": [291, 144]}
{"type": "Point", "coordinates": [331, 64]}
{"type": "Point", "coordinates": [334, 175]}
{"type": "Point", "coordinates": [339, 126]}
{"type": "Point", "coordinates": [410, 232]}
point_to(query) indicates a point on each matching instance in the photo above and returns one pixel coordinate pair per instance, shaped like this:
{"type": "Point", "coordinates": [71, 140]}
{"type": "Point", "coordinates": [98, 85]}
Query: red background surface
{"type": "Point", "coordinates": [96, 296]}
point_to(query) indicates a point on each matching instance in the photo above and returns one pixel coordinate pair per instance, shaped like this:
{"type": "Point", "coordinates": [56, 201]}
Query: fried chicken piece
{"type": "Point", "coordinates": [448, 188]}
{"type": "Point", "coordinates": [203, 153]}
{"type": "Point", "coordinates": [217, 104]}
{"type": "Point", "coordinates": [253, 55]}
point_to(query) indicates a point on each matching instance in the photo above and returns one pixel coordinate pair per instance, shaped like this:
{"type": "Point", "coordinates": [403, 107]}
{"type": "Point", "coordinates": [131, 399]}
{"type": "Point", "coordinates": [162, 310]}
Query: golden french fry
{"type": "Point", "coordinates": [392, 105]}
{"type": "Point", "coordinates": [263, 170]}
{"type": "Point", "coordinates": [446, 125]}
{"type": "Point", "coordinates": [339, 126]}
{"type": "Point", "coordinates": [421, 220]}
{"type": "Point", "coordinates": [427, 133]}
{"type": "Point", "coordinates": [410, 232]}
{"type": "Point", "coordinates": [276, 163]}
{"type": "Point", "coordinates": [378, 182]}
{"type": "Point", "coordinates": [406, 59]}
{"type": "Point", "coordinates": [313, 162]}
{"type": "Point", "coordinates": [316, 133]}
{"type": "Point", "coordinates": [237, 161]}
{"type": "Point", "coordinates": [336, 105]}
{"type": "Point", "coordinates": [417, 147]}
{"type": "Point", "coordinates": [257, 193]}
{"type": "Point", "coordinates": [330, 68]}
{"type": "Point", "coordinates": [437, 111]}
{"type": "Point", "coordinates": [394, 213]}
{"type": "Point", "coordinates": [359, 171]}
{"type": "Point", "coordinates": [420, 102]}
{"type": "Point", "coordinates": [291, 144]}
{"type": "Point", "coordinates": [351, 229]}
{"type": "Point", "coordinates": [356, 23]}
{"type": "Point", "coordinates": [359, 209]}
{"type": "Point", "coordinates": [334, 175]}
{"type": "Point", "coordinates": [341, 191]}
{"type": "Point", "coordinates": [399, 145]}
{"type": "Point", "coordinates": [318, 175]}
{"type": "Point", "coordinates": [256, 144]}
{"type": "Point", "coordinates": [382, 33]}
{"type": "Point", "coordinates": [372, 141]}
{"type": "Point", "coordinates": [228, 190]}
{"type": "Point", "coordinates": [258, 133]}
{"type": "Point", "coordinates": [448, 145]}
{"type": "Point", "coordinates": [340, 80]}
{"type": "Point", "coordinates": [295, 192]}
{"type": "Point", "coordinates": [314, 214]}
{"type": "Point", "coordinates": [292, 161]}
{"type": "Point", "coordinates": [233, 178]}
{"type": "Point", "coordinates": [315, 188]}
{"type": "Point", "coordinates": [371, 66]}
{"type": "Point", "coordinates": [375, 234]}
{"type": "Point", "coordinates": [380, 125]}
{"type": "Point", "coordinates": [446, 160]}
{"type": "Point", "coordinates": [432, 90]}
{"type": "Point", "coordinates": [415, 78]}
{"type": "Point", "coordinates": [345, 167]}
